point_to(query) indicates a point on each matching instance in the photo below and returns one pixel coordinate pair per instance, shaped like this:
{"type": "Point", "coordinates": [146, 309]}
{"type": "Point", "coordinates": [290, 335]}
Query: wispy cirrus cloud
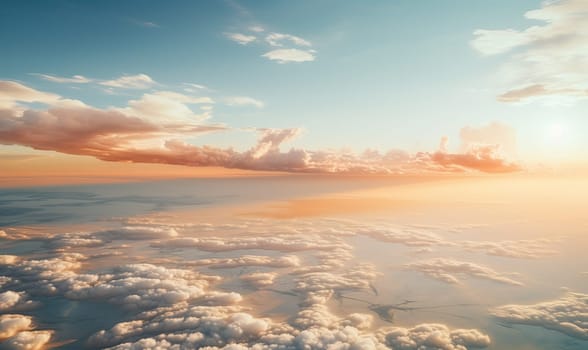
{"type": "Point", "coordinates": [75, 79]}
{"type": "Point", "coordinates": [278, 39]}
{"type": "Point", "coordinates": [243, 101]}
{"type": "Point", "coordinates": [137, 82]}
{"type": "Point", "coordinates": [548, 60]}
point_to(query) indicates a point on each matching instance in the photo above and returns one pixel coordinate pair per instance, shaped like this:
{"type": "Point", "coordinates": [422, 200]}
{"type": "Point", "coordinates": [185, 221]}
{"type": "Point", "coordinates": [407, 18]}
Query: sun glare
{"type": "Point", "coordinates": [556, 133]}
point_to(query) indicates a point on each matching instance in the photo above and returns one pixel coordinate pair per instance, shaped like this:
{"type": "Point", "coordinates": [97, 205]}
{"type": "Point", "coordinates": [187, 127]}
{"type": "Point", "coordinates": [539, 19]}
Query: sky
{"type": "Point", "coordinates": [392, 87]}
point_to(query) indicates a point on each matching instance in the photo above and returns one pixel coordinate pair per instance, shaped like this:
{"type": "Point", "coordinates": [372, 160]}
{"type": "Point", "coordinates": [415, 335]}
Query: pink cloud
{"type": "Point", "coordinates": [119, 135]}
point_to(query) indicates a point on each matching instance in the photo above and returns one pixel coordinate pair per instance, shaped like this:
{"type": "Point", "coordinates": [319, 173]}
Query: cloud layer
{"type": "Point", "coordinates": [568, 314]}
{"type": "Point", "coordinates": [153, 129]}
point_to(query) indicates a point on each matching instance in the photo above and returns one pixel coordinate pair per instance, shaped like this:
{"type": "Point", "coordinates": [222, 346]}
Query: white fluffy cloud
{"type": "Point", "coordinates": [259, 279]}
{"type": "Point", "coordinates": [11, 325]}
{"type": "Point", "coordinates": [11, 301]}
{"type": "Point", "coordinates": [179, 308]}
{"type": "Point", "coordinates": [434, 336]}
{"type": "Point", "coordinates": [568, 314]}
{"type": "Point", "coordinates": [27, 340]}
{"type": "Point", "coordinates": [551, 58]}
{"type": "Point", "coordinates": [290, 55]}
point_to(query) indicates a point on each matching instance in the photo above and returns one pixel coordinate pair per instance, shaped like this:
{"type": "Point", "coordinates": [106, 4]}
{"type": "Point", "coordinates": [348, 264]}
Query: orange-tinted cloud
{"type": "Point", "coordinates": [125, 135]}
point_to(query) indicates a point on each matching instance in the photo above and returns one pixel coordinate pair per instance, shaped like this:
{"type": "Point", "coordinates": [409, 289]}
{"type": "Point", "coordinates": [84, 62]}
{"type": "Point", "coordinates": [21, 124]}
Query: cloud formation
{"type": "Point", "coordinates": [568, 314]}
{"type": "Point", "coordinates": [243, 101]}
{"type": "Point", "coordinates": [138, 82]}
{"type": "Point", "coordinates": [454, 271]}
{"type": "Point", "coordinates": [76, 79]}
{"type": "Point", "coordinates": [290, 55]}
{"type": "Point", "coordinates": [549, 59]}
{"type": "Point", "coordinates": [153, 129]}
{"type": "Point", "coordinates": [278, 39]}
{"type": "Point", "coordinates": [240, 38]}
{"type": "Point", "coordinates": [171, 307]}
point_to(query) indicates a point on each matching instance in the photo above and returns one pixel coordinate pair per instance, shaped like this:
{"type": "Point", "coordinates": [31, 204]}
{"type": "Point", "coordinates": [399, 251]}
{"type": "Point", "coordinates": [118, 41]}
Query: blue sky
{"type": "Point", "coordinates": [385, 74]}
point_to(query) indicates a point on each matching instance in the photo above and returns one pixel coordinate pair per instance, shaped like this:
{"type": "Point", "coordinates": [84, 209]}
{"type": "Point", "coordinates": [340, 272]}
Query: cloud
{"type": "Point", "coordinates": [520, 249]}
{"type": "Point", "coordinates": [240, 38]}
{"type": "Point", "coordinates": [434, 336]}
{"type": "Point", "coordinates": [167, 107]}
{"type": "Point", "coordinates": [153, 129]}
{"type": "Point", "coordinates": [11, 301]}
{"type": "Point", "coordinates": [495, 133]}
{"type": "Point", "coordinates": [549, 59]}
{"type": "Point", "coordinates": [567, 315]}
{"type": "Point", "coordinates": [453, 271]}
{"type": "Point", "coordinates": [538, 90]}
{"type": "Point", "coordinates": [76, 79]}
{"type": "Point", "coordinates": [139, 81]}
{"type": "Point", "coordinates": [259, 279]}
{"type": "Point", "coordinates": [482, 157]}
{"type": "Point", "coordinates": [28, 340]}
{"type": "Point", "coordinates": [12, 92]}
{"type": "Point", "coordinates": [290, 55]}
{"type": "Point", "coordinates": [11, 325]}
{"type": "Point", "coordinates": [173, 308]}
{"type": "Point", "coordinates": [243, 101]}
{"type": "Point", "coordinates": [249, 260]}
{"type": "Point", "coordinates": [282, 243]}
{"type": "Point", "coordinates": [277, 39]}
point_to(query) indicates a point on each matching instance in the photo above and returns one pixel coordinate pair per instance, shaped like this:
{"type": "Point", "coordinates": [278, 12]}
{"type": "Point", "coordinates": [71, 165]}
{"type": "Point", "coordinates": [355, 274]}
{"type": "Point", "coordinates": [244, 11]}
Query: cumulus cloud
{"type": "Point", "coordinates": [434, 336]}
{"type": "Point", "coordinates": [11, 325]}
{"type": "Point", "coordinates": [290, 55]}
{"type": "Point", "coordinates": [11, 301]}
{"type": "Point", "coordinates": [240, 38]}
{"type": "Point", "coordinates": [28, 340]}
{"type": "Point", "coordinates": [550, 58]}
{"type": "Point", "coordinates": [259, 279]}
{"type": "Point", "coordinates": [171, 308]}
{"type": "Point", "coordinates": [138, 82]}
{"type": "Point", "coordinates": [453, 271]}
{"type": "Point", "coordinates": [568, 314]}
